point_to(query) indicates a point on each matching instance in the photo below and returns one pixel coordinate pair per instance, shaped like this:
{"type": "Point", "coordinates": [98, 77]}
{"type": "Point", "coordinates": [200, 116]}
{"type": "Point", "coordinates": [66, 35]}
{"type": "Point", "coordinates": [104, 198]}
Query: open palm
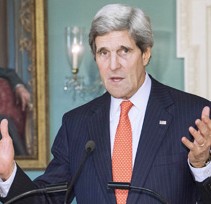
{"type": "Point", "coordinates": [6, 152]}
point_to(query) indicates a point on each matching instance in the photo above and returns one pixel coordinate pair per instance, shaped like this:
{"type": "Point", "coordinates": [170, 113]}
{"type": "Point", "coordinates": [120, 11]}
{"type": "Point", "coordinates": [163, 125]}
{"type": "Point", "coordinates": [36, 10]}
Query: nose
{"type": "Point", "coordinates": [114, 61]}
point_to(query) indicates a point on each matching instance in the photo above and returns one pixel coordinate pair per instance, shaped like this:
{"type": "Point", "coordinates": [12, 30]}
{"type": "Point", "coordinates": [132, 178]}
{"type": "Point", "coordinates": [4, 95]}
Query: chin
{"type": "Point", "coordinates": [117, 95]}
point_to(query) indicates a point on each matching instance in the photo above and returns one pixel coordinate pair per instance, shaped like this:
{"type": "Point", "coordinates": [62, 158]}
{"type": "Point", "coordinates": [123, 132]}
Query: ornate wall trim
{"type": "Point", "coordinates": [194, 44]}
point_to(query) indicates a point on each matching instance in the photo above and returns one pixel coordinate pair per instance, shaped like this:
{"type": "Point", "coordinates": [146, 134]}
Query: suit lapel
{"type": "Point", "coordinates": [156, 122]}
{"type": "Point", "coordinates": [99, 132]}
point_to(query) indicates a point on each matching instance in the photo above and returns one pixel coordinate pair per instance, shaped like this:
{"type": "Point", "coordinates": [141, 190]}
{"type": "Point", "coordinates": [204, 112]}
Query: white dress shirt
{"type": "Point", "coordinates": [136, 114]}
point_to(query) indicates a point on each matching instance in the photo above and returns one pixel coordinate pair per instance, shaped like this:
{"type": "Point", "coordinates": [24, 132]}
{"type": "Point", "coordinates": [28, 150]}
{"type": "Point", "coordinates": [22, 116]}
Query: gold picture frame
{"type": "Point", "coordinates": [40, 157]}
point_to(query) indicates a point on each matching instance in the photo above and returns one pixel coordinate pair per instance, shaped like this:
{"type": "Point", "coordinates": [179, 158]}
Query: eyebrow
{"type": "Point", "coordinates": [121, 47]}
{"type": "Point", "coordinates": [127, 47]}
{"type": "Point", "coordinates": [100, 49]}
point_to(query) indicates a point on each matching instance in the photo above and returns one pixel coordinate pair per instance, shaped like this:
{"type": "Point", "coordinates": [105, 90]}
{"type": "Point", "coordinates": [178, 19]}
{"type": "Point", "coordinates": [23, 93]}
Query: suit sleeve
{"type": "Point", "coordinates": [11, 76]}
{"type": "Point", "coordinates": [21, 184]}
{"type": "Point", "coordinates": [205, 190]}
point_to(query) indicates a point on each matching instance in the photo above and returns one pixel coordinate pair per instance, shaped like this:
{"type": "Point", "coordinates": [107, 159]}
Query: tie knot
{"type": "Point", "coordinates": [125, 107]}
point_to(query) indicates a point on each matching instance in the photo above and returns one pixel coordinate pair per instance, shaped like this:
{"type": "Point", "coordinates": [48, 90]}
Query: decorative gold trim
{"type": "Point", "coordinates": [39, 60]}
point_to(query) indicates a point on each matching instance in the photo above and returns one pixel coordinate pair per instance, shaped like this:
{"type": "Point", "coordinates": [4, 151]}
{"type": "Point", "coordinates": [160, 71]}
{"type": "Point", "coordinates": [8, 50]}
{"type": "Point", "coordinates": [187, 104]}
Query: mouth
{"type": "Point", "coordinates": [116, 79]}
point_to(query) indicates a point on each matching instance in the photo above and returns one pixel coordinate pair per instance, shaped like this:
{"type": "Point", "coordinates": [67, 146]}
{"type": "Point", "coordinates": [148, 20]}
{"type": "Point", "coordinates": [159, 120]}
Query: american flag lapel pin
{"type": "Point", "coordinates": [162, 122]}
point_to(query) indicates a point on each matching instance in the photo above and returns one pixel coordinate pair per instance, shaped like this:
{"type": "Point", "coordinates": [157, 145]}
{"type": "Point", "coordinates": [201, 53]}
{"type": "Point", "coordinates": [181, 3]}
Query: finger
{"type": "Point", "coordinates": [205, 112]}
{"type": "Point", "coordinates": [199, 139]}
{"type": "Point", "coordinates": [4, 128]}
{"type": "Point", "coordinates": [202, 128]}
{"type": "Point", "coordinates": [187, 143]}
{"type": "Point", "coordinates": [206, 116]}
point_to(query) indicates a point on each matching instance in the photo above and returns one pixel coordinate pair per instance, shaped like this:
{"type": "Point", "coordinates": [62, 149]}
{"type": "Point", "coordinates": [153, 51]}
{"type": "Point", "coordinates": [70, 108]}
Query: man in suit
{"type": "Point", "coordinates": [171, 129]}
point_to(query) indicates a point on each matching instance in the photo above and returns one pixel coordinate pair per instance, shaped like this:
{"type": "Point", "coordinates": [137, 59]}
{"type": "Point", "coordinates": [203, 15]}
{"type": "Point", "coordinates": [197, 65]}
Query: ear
{"type": "Point", "coordinates": [146, 56]}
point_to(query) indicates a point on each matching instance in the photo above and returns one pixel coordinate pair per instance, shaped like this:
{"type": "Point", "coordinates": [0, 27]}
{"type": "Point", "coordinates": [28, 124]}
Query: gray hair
{"type": "Point", "coordinates": [119, 17]}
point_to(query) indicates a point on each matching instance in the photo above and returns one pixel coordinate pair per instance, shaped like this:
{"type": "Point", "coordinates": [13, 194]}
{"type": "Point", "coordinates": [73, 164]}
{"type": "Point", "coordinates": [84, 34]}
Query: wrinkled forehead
{"type": "Point", "coordinates": [115, 39]}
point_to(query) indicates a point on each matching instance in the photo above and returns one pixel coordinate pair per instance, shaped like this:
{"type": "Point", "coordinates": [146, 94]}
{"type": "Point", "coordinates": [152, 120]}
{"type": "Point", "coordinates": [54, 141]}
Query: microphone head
{"type": "Point", "coordinates": [90, 146]}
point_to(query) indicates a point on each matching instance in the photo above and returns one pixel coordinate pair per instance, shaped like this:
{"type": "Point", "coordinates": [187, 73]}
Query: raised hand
{"type": "Point", "coordinates": [6, 152]}
{"type": "Point", "coordinates": [200, 147]}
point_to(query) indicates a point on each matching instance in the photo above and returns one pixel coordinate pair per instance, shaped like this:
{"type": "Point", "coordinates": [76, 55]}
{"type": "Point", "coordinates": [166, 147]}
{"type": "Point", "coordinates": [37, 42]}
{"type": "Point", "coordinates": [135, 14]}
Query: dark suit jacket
{"type": "Point", "coordinates": [11, 76]}
{"type": "Point", "coordinates": [161, 160]}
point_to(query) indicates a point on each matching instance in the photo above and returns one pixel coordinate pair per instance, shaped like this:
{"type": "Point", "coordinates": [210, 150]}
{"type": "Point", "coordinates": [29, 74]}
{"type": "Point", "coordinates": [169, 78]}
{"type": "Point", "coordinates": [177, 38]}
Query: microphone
{"type": "Point", "coordinates": [53, 188]}
{"type": "Point", "coordinates": [89, 147]}
{"type": "Point", "coordinates": [60, 187]}
{"type": "Point", "coordinates": [127, 186]}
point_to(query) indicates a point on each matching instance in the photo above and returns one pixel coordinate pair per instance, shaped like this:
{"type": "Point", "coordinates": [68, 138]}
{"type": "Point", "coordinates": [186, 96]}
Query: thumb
{"type": "Point", "coordinates": [4, 128]}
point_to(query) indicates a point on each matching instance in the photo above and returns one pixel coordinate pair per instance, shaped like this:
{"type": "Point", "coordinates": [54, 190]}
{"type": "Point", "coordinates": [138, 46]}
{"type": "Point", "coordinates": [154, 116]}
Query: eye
{"type": "Point", "coordinates": [102, 52]}
{"type": "Point", "coordinates": [123, 51]}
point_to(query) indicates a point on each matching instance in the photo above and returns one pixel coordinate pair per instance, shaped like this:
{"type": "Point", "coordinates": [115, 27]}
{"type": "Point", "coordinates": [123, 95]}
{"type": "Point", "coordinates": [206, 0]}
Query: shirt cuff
{"type": "Point", "coordinates": [200, 174]}
{"type": "Point", "coordinates": [5, 185]}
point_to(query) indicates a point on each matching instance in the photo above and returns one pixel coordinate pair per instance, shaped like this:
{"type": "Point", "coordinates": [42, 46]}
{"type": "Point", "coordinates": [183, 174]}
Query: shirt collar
{"type": "Point", "coordinates": [139, 99]}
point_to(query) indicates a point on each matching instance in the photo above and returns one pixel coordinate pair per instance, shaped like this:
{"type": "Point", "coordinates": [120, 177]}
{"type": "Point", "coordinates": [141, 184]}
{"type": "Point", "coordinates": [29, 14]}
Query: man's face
{"type": "Point", "coordinates": [121, 63]}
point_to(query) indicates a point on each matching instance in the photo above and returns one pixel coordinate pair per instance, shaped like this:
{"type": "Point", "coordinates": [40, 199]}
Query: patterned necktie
{"type": "Point", "coordinates": [122, 153]}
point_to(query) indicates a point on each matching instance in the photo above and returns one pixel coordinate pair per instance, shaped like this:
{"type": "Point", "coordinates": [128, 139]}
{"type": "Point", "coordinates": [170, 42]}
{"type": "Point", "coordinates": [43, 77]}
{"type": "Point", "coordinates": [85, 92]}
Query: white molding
{"type": "Point", "coordinates": [194, 44]}
{"type": "Point", "coordinates": [209, 50]}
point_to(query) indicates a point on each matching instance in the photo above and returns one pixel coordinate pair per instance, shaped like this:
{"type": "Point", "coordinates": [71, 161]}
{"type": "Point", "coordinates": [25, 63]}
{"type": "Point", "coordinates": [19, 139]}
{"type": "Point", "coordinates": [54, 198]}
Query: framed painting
{"type": "Point", "coordinates": [26, 53]}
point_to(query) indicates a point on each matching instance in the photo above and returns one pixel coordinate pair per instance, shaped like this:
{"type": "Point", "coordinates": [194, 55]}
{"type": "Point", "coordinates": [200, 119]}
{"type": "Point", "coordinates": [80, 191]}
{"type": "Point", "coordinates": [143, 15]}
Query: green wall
{"type": "Point", "coordinates": [164, 65]}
